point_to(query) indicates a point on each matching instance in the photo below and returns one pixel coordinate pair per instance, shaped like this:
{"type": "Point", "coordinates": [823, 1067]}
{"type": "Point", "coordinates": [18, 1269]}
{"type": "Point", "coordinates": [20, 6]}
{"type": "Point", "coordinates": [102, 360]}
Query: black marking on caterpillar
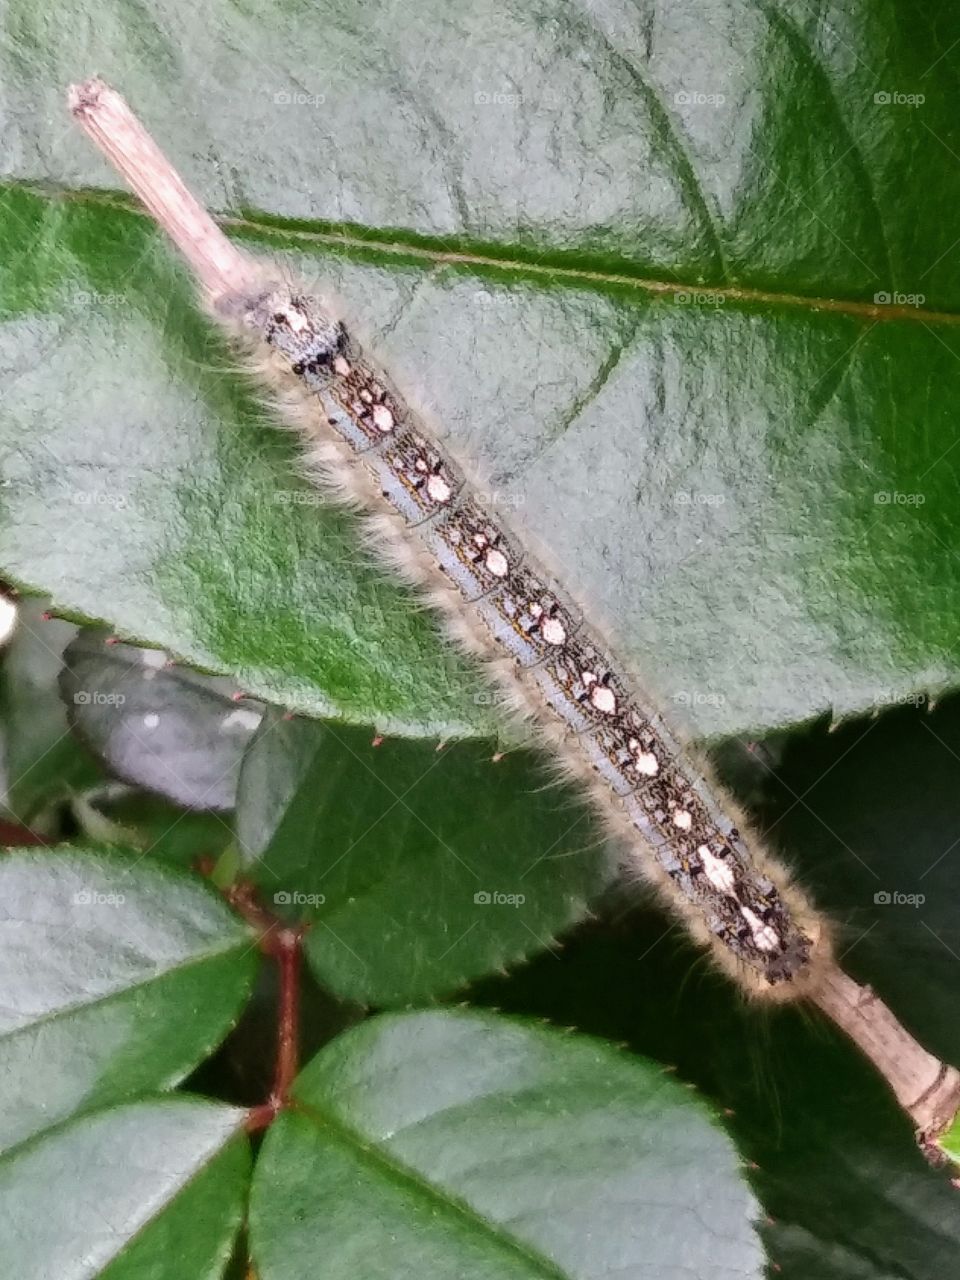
{"type": "Point", "coordinates": [648, 786]}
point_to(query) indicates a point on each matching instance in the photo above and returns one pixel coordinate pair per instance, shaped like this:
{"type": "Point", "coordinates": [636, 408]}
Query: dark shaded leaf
{"type": "Point", "coordinates": [418, 868]}
{"type": "Point", "coordinates": [159, 726]}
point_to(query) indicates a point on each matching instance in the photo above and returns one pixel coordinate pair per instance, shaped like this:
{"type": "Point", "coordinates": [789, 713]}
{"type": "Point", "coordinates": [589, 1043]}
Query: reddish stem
{"type": "Point", "coordinates": [288, 1024]}
{"type": "Point", "coordinates": [12, 835]}
{"type": "Point", "coordinates": [282, 943]}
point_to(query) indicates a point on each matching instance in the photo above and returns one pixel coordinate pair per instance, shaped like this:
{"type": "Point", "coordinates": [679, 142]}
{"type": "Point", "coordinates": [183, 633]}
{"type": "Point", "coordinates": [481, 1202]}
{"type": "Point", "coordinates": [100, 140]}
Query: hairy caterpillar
{"type": "Point", "coordinates": [366, 447]}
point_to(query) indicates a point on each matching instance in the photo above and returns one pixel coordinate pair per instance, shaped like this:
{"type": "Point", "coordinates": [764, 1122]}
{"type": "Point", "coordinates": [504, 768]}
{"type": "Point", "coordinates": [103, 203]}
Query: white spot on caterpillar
{"type": "Point", "coordinates": [497, 563]}
{"type": "Point", "coordinates": [438, 489]}
{"type": "Point", "coordinates": [682, 819]}
{"type": "Point", "coordinates": [553, 631]}
{"type": "Point", "coordinates": [341, 366]}
{"type": "Point", "coordinates": [766, 937]}
{"type": "Point", "coordinates": [151, 720]}
{"type": "Point", "coordinates": [646, 762]}
{"type": "Point", "coordinates": [604, 699]}
{"type": "Point", "coordinates": [718, 872]}
{"type": "Point", "coordinates": [383, 418]}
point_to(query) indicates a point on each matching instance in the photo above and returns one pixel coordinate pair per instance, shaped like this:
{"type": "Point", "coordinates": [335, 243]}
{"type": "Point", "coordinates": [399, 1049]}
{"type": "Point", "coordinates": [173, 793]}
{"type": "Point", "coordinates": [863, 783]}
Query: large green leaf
{"type": "Point", "coordinates": [150, 1189]}
{"type": "Point", "coordinates": [455, 1144]}
{"type": "Point", "coordinates": [117, 978]}
{"type": "Point", "coordinates": [629, 259]}
{"type": "Point", "coordinates": [417, 868]}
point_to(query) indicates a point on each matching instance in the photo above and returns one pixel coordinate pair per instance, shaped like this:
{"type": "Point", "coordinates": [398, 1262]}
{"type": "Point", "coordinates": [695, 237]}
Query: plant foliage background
{"type": "Point", "coordinates": [682, 279]}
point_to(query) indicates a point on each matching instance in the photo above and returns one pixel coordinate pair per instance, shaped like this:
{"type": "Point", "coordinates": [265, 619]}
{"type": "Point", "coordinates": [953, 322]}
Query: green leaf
{"type": "Point", "coordinates": [118, 977]}
{"type": "Point", "coordinates": [465, 1144]}
{"type": "Point", "coordinates": [151, 1189]}
{"type": "Point", "coordinates": [628, 262]}
{"type": "Point", "coordinates": [418, 868]}
{"type": "Point", "coordinates": [159, 726]}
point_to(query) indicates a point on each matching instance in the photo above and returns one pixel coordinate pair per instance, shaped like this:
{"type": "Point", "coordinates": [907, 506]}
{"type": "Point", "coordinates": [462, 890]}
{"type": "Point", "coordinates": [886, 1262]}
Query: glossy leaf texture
{"type": "Point", "coordinates": [154, 1188]}
{"type": "Point", "coordinates": [681, 280]}
{"type": "Point", "coordinates": [448, 1143]}
{"type": "Point", "coordinates": [118, 975]}
{"type": "Point", "coordinates": [417, 868]}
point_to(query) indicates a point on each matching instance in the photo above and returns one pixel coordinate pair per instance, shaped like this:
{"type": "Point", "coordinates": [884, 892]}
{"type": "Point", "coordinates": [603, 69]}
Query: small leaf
{"type": "Point", "coordinates": [117, 976]}
{"type": "Point", "coordinates": [153, 1189]}
{"type": "Point", "coordinates": [465, 1144]}
{"type": "Point", "coordinates": [419, 868]}
{"type": "Point", "coordinates": [162, 727]}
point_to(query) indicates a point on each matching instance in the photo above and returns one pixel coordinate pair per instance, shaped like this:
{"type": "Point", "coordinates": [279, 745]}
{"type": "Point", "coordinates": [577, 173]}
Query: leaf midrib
{"type": "Point", "coordinates": [418, 248]}
{"type": "Point", "coordinates": [81, 1006]}
{"type": "Point", "coordinates": [396, 1171]}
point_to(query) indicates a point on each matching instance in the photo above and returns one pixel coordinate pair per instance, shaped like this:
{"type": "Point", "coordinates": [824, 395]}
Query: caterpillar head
{"type": "Point", "coordinates": [294, 323]}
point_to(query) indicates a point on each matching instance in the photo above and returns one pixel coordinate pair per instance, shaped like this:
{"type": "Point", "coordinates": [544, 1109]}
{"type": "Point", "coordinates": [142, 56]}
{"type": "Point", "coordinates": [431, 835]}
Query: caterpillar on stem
{"type": "Point", "coordinates": [366, 448]}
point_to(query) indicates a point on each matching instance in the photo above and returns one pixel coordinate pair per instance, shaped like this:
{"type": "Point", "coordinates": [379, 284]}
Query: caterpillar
{"type": "Point", "coordinates": [366, 447]}
{"type": "Point", "coordinates": [365, 444]}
